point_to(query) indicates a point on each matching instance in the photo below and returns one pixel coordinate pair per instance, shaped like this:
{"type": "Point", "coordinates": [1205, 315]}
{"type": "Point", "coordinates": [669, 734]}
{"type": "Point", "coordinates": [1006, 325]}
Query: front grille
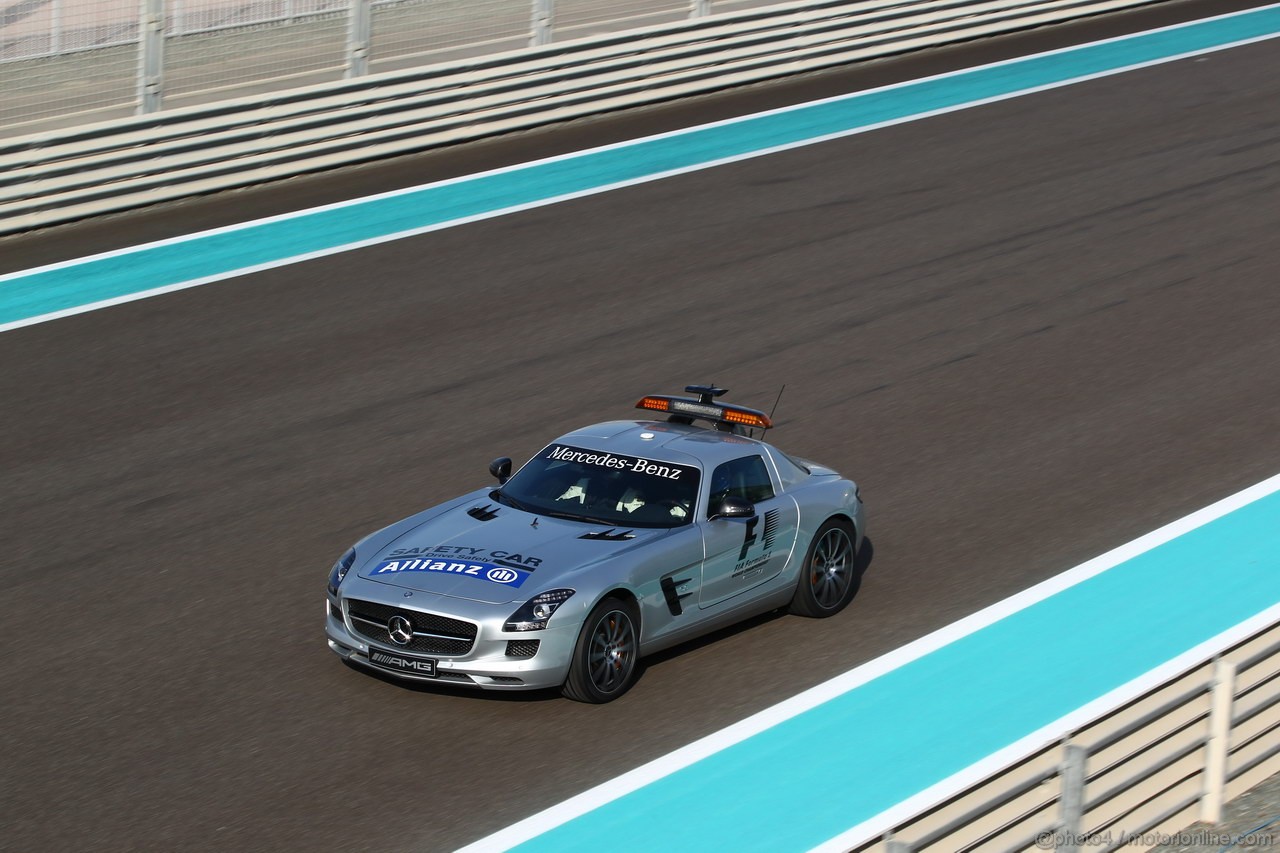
{"type": "Point", "coordinates": [437, 635]}
{"type": "Point", "coordinates": [522, 648]}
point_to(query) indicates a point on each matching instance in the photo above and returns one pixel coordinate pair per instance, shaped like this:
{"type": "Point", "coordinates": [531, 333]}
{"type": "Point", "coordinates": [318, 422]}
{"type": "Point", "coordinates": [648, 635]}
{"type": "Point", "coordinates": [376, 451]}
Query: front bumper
{"type": "Point", "coordinates": [486, 665]}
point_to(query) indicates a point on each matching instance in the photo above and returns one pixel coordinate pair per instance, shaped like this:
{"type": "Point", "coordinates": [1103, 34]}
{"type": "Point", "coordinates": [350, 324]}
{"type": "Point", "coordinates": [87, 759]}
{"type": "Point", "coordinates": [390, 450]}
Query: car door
{"type": "Point", "coordinates": [742, 553]}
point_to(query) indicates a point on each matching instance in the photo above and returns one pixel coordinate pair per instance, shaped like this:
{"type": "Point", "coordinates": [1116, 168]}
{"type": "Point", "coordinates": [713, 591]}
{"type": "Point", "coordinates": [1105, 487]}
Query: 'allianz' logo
{"type": "Point", "coordinates": [500, 575]}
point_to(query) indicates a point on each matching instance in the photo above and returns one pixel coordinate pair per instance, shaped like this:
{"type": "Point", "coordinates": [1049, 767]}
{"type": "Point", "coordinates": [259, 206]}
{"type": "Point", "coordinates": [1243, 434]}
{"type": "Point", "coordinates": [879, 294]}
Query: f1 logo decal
{"type": "Point", "coordinates": [749, 536]}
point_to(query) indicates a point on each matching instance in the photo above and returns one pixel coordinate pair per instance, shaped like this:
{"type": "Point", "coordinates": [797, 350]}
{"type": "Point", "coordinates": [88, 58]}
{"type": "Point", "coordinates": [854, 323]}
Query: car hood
{"type": "Point", "coordinates": [487, 552]}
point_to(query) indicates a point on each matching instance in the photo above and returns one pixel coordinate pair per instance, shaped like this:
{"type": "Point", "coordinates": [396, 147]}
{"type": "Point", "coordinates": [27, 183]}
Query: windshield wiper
{"type": "Point", "coordinates": [569, 516]}
{"type": "Point", "coordinates": [499, 496]}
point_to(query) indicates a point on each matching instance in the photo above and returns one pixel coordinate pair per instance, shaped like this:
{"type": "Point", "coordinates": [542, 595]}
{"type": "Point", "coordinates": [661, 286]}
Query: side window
{"type": "Point", "coordinates": [746, 478]}
{"type": "Point", "coordinates": [790, 471]}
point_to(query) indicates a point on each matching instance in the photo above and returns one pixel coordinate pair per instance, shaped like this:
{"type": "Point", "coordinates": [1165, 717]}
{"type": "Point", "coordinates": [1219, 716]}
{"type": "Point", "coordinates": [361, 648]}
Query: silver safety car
{"type": "Point", "coordinates": [612, 542]}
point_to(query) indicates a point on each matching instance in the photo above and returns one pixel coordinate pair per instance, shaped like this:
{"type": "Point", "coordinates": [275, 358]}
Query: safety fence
{"type": "Point", "coordinates": [59, 176]}
{"type": "Point", "coordinates": [69, 62]}
{"type": "Point", "coordinates": [1131, 777]}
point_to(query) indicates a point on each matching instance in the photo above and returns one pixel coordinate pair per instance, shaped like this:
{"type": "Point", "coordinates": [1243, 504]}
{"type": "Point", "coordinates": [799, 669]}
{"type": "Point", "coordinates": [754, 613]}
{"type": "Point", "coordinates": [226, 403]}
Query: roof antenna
{"type": "Point", "coordinates": [775, 402]}
{"type": "Point", "coordinates": [752, 433]}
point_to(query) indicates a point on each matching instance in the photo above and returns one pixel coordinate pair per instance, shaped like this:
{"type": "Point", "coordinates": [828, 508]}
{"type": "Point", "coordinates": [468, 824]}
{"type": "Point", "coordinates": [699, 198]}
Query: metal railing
{"type": "Point", "coordinates": [63, 175]}
{"type": "Point", "coordinates": [1152, 766]}
{"type": "Point", "coordinates": [67, 62]}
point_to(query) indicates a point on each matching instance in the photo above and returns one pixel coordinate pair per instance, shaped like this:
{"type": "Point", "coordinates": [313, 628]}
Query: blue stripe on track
{"type": "Point", "coordinates": [43, 293]}
{"type": "Point", "coordinates": [821, 772]}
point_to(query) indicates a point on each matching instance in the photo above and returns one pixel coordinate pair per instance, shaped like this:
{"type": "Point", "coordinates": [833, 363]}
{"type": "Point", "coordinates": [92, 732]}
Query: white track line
{"type": "Point", "coordinates": [666, 765]}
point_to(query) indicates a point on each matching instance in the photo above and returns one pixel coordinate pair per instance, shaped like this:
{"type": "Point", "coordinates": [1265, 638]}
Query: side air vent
{"type": "Point", "coordinates": [671, 592]}
{"type": "Point", "coordinates": [483, 513]}
{"type": "Point", "coordinates": [610, 535]}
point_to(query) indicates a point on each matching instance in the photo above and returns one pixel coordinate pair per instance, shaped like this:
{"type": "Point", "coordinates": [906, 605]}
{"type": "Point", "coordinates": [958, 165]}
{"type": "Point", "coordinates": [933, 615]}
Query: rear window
{"type": "Point", "coordinates": [790, 470]}
{"type": "Point", "coordinates": [605, 488]}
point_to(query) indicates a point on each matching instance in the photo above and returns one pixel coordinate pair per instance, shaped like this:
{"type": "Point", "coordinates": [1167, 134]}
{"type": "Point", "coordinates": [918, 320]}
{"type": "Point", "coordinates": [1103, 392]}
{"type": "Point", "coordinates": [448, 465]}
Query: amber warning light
{"type": "Point", "coordinates": [725, 414]}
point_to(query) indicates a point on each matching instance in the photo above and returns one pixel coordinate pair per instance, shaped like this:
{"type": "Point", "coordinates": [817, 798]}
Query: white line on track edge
{"type": "Point", "coordinates": [672, 762]}
{"type": "Point", "coordinates": [908, 808]}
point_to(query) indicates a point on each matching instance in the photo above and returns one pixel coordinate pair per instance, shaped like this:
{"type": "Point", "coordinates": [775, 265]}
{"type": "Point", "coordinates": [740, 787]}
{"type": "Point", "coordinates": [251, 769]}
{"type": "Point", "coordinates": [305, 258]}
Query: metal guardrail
{"type": "Point", "coordinates": [59, 176]}
{"type": "Point", "coordinates": [1145, 769]}
{"type": "Point", "coordinates": [65, 63]}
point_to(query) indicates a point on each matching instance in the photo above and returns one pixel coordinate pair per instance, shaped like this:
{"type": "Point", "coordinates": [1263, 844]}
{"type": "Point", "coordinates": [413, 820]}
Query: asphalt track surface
{"type": "Point", "coordinates": [1032, 331]}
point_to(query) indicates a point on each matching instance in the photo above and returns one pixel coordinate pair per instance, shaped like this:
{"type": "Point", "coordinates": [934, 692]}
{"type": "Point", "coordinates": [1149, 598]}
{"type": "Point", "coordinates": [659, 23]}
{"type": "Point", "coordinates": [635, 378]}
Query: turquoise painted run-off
{"type": "Point", "coordinates": [818, 774]}
{"type": "Point", "coordinates": [214, 255]}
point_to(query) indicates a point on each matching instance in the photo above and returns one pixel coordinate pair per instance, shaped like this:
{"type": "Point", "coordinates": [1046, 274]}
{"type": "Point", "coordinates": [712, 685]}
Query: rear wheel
{"type": "Point", "coordinates": [827, 581]}
{"type": "Point", "coordinates": [604, 658]}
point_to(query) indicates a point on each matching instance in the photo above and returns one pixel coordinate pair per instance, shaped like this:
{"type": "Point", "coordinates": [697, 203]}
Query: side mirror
{"type": "Point", "coordinates": [734, 507]}
{"type": "Point", "coordinates": [501, 468]}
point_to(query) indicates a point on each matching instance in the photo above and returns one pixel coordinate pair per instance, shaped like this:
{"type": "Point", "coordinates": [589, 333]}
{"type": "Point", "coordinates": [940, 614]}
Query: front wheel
{"type": "Point", "coordinates": [604, 658]}
{"type": "Point", "coordinates": [827, 580]}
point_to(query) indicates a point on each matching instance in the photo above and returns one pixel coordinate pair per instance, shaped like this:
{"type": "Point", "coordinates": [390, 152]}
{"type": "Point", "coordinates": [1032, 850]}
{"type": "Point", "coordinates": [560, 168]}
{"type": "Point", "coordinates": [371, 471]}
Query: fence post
{"type": "Point", "coordinates": [544, 21]}
{"type": "Point", "coordinates": [700, 9]}
{"type": "Point", "coordinates": [151, 57]}
{"type": "Point", "coordinates": [359, 34]}
{"type": "Point", "coordinates": [55, 27]}
{"type": "Point", "coordinates": [1072, 776]}
{"type": "Point", "coordinates": [1219, 741]}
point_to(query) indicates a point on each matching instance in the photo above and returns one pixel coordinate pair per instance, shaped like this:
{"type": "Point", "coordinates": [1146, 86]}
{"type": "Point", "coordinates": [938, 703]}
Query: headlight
{"type": "Point", "coordinates": [534, 613]}
{"type": "Point", "coordinates": [340, 569]}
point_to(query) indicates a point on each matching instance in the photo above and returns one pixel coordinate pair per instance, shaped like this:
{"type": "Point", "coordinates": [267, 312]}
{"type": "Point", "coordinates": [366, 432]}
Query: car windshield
{"type": "Point", "coordinates": [603, 488]}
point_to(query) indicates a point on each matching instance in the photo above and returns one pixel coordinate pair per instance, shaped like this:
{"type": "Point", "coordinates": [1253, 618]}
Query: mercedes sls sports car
{"type": "Point", "coordinates": [612, 542]}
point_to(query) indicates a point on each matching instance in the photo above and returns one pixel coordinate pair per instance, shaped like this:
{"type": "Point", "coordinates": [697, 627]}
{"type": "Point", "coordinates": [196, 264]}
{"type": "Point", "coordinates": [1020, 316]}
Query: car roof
{"type": "Point", "coordinates": [666, 442]}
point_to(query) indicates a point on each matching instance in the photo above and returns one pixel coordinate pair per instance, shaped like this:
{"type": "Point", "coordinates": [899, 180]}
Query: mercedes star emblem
{"type": "Point", "coordinates": [400, 629]}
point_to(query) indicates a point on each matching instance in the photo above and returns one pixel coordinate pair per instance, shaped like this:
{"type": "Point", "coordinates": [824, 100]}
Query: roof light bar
{"type": "Point", "coordinates": [721, 413]}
